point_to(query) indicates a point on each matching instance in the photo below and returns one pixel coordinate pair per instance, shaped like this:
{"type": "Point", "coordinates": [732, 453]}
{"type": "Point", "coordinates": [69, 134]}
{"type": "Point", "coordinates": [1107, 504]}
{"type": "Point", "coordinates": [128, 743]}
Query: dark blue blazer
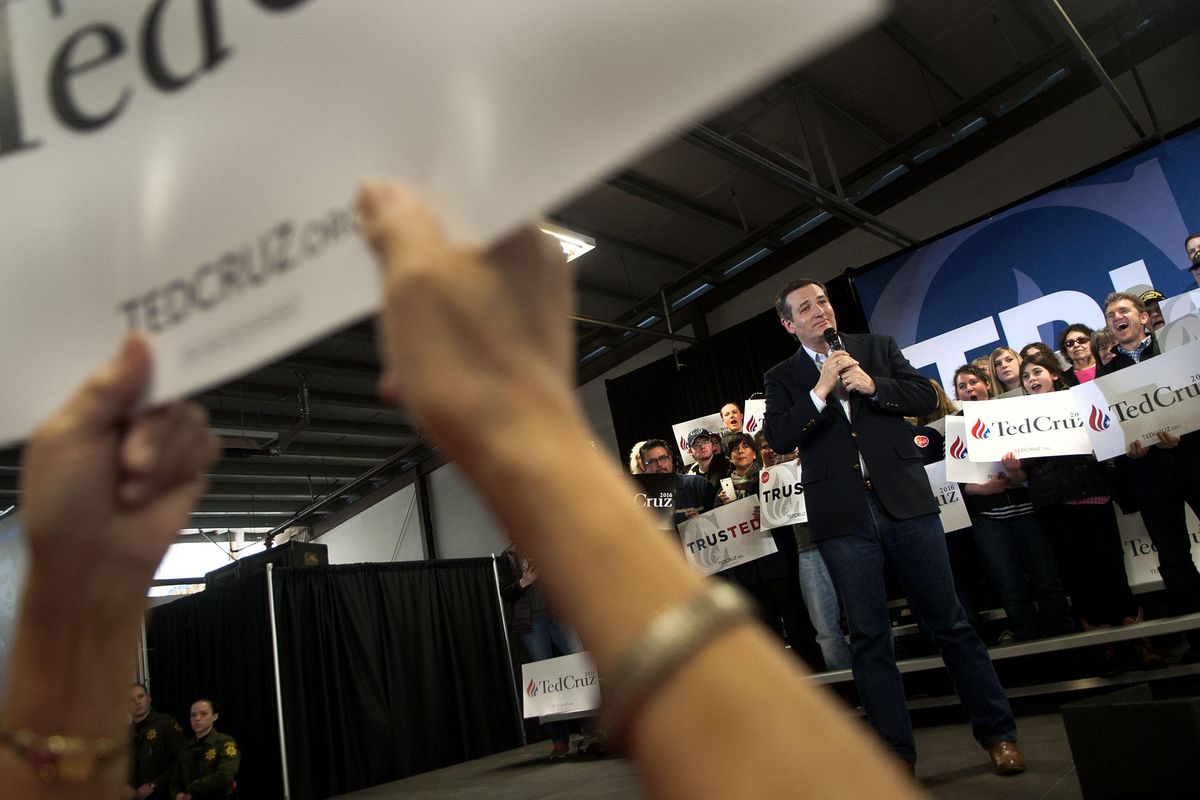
{"type": "Point", "coordinates": [830, 444]}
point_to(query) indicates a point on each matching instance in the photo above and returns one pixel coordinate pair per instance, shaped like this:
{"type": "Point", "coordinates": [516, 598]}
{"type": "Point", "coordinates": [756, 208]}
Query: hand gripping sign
{"type": "Point", "coordinates": [188, 168]}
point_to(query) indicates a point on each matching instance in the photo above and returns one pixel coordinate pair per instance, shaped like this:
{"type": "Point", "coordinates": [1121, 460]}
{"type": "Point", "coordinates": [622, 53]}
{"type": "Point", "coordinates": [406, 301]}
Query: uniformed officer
{"type": "Point", "coordinates": [209, 762]}
{"type": "Point", "coordinates": [156, 742]}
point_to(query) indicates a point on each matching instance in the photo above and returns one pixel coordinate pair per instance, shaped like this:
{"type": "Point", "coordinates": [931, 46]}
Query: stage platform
{"type": "Point", "coordinates": [951, 766]}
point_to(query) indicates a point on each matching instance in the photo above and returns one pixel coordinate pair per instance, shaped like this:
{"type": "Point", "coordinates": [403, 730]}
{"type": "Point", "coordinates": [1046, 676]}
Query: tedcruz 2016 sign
{"type": "Point", "coordinates": [1161, 394]}
{"type": "Point", "coordinates": [1029, 427]}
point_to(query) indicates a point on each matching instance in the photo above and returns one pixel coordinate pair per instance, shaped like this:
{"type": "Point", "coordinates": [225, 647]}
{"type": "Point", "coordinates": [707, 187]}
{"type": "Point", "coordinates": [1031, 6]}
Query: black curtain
{"type": "Point", "coordinates": [727, 366]}
{"type": "Point", "coordinates": [217, 644]}
{"type": "Point", "coordinates": [390, 670]}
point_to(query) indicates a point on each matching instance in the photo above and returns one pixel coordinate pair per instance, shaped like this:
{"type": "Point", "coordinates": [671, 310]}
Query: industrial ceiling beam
{"type": "Point", "coordinates": [754, 238]}
{"type": "Point", "coordinates": [640, 186]}
{"type": "Point", "coordinates": [336, 452]}
{"type": "Point", "coordinates": [1081, 46]}
{"type": "Point", "coordinates": [399, 463]}
{"type": "Point", "coordinates": [647, 331]}
{"type": "Point", "coordinates": [603, 291]}
{"type": "Point", "coordinates": [817, 195]}
{"type": "Point", "coordinates": [246, 392]}
{"type": "Point", "coordinates": [252, 469]}
{"type": "Point", "coordinates": [233, 421]}
{"type": "Point", "coordinates": [926, 59]}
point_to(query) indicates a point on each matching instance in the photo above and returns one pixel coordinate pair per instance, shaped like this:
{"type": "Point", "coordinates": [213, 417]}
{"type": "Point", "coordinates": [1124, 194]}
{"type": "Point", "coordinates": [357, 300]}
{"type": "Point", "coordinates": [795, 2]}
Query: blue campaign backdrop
{"type": "Point", "coordinates": [979, 287]}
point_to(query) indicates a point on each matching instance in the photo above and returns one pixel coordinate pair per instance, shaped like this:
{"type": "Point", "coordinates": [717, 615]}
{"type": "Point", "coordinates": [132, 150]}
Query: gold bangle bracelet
{"type": "Point", "coordinates": [674, 635]}
{"type": "Point", "coordinates": [66, 759]}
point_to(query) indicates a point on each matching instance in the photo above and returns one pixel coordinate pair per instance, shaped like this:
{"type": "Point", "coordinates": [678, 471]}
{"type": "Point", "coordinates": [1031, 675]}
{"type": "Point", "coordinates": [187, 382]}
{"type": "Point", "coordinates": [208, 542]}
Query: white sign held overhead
{"type": "Point", "coordinates": [188, 169]}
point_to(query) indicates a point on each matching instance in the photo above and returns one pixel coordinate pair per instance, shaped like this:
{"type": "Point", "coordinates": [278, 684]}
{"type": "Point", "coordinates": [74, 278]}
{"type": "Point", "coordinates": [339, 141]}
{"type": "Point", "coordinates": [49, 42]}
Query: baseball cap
{"type": "Point", "coordinates": [696, 434]}
{"type": "Point", "coordinates": [1152, 296]}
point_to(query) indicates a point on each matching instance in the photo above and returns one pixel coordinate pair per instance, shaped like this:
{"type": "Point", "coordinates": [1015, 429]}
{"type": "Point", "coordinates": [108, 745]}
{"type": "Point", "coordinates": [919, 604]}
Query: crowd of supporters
{"type": "Point", "coordinates": [1044, 543]}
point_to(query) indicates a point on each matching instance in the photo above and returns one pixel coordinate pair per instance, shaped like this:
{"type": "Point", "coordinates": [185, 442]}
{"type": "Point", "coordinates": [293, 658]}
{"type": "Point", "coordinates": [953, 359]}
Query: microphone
{"type": "Point", "coordinates": [834, 339]}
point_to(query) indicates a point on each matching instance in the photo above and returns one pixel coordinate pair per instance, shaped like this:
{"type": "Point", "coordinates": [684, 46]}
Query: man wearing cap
{"type": "Point", "coordinates": [1151, 299]}
{"type": "Point", "coordinates": [842, 400]}
{"type": "Point", "coordinates": [1163, 476]}
{"type": "Point", "coordinates": [1191, 246]}
{"type": "Point", "coordinates": [710, 465]}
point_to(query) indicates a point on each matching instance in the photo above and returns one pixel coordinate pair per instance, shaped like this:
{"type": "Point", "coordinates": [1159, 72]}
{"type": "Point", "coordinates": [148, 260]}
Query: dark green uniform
{"type": "Point", "coordinates": [206, 767]}
{"type": "Point", "coordinates": [156, 743]}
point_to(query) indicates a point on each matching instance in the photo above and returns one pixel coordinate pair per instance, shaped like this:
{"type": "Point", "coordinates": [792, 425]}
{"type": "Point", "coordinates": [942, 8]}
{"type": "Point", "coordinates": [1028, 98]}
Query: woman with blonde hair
{"type": "Point", "coordinates": [636, 467]}
{"type": "Point", "coordinates": [1006, 371]}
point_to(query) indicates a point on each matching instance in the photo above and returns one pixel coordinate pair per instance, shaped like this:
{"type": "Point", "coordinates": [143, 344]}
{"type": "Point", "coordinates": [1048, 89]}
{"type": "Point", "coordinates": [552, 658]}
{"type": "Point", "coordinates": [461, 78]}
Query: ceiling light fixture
{"type": "Point", "coordinates": [573, 244]}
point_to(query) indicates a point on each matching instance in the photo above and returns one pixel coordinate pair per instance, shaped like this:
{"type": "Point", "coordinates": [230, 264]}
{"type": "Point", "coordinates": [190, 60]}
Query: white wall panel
{"type": "Point", "coordinates": [389, 530]}
{"type": "Point", "coordinates": [464, 526]}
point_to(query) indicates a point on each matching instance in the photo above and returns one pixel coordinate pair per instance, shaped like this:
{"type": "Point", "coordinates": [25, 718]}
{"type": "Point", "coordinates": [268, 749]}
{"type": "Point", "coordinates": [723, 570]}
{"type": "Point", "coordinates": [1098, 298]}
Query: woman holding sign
{"type": "Point", "coordinates": [1012, 544]}
{"type": "Point", "coordinates": [1072, 496]}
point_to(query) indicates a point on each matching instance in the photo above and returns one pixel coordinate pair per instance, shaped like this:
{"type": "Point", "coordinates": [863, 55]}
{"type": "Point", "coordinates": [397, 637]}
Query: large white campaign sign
{"type": "Point", "coordinates": [560, 687]}
{"type": "Point", "coordinates": [725, 537]}
{"type": "Point", "coordinates": [959, 466]}
{"type": "Point", "coordinates": [1135, 403]}
{"type": "Point", "coordinates": [1141, 557]}
{"type": "Point", "coordinates": [949, 497]}
{"type": "Point", "coordinates": [781, 496]}
{"type": "Point", "coordinates": [1030, 426]}
{"type": "Point", "coordinates": [187, 168]}
{"type": "Point", "coordinates": [711, 423]}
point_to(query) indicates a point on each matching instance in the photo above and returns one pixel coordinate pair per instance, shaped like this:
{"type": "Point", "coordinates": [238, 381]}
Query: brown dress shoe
{"type": "Point", "coordinates": [1007, 758]}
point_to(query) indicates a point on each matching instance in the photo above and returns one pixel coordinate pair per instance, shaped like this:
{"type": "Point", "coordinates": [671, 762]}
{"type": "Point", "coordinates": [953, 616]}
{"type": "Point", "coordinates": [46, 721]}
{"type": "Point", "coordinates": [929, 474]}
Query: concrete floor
{"type": "Point", "coordinates": [951, 766]}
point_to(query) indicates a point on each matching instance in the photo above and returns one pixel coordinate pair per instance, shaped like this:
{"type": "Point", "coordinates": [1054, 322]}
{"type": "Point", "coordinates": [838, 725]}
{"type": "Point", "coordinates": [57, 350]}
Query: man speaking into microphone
{"type": "Point", "coordinates": [842, 400]}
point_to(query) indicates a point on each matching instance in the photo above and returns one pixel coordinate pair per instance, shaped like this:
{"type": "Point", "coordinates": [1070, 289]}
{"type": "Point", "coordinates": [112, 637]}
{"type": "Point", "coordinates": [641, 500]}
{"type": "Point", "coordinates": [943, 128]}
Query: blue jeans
{"type": "Point", "coordinates": [1020, 561]}
{"type": "Point", "coordinates": [547, 635]}
{"type": "Point", "coordinates": [915, 549]}
{"type": "Point", "coordinates": [821, 600]}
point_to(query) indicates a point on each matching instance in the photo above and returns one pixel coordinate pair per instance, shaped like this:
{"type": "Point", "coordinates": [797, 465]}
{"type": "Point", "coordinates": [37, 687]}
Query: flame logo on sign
{"type": "Point", "coordinates": [1098, 420]}
{"type": "Point", "coordinates": [958, 450]}
{"type": "Point", "coordinates": [979, 430]}
{"type": "Point", "coordinates": [752, 424]}
{"type": "Point", "coordinates": [531, 689]}
{"type": "Point", "coordinates": [682, 443]}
